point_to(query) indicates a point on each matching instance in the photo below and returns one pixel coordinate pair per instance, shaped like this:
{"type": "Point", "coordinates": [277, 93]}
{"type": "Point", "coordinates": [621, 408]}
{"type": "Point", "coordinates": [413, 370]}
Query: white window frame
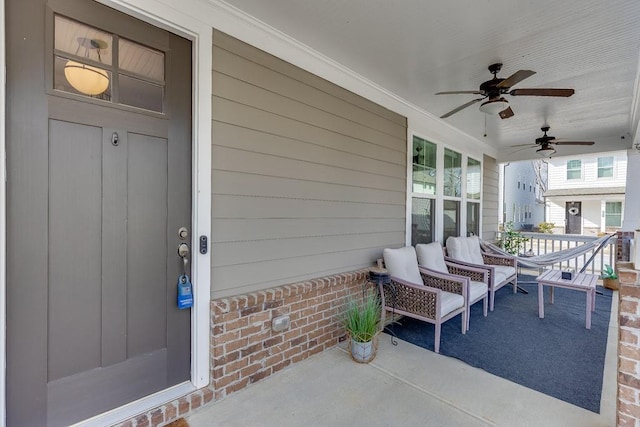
{"type": "Point", "coordinates": [612, 167]}
{"type": "Point", "coordinates": [439, 196]}
{"type": "Point", "coordinates": [478, 201]}
{"type": "Point", "coordinates": [621, 212]}
{"type": "Point", "coordinates": [579, 169]}
{"type": "Point", "coordinates": [411, 194]}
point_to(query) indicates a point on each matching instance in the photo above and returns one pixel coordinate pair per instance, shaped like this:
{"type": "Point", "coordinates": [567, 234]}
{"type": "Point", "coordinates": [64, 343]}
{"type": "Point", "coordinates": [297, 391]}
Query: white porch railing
{"type": "Point", "coordinates": [542, 243]}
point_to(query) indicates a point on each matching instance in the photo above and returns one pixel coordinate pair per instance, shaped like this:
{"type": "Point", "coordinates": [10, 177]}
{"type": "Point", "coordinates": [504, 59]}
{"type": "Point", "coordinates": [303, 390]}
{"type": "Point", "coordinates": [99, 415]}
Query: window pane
{"type": "Point", "coordinates": [82, 62]}
{"type": "Point", "coordinates": [82, 41]}
{"type": "Point", "coordinates": [424, 180]}
{"type": "Point", "coordinates": [141, 94]}
{"type": "Point", "coordinates": [424, 166]}
{"type": "Point", "coordinates": [574, 169]}
{"type": "Point", "coordinates": [613, 214]}
{"type": "Point", "coordinates": [473, 219]}
{"type": "Point", "coordinates": [573, 174]}
{"type": "Point", "coordinates": [62, 83]}
{"type": "Point", "coordinates": [605, 167]}
{"type": "Point", "coordinates": [473, 179]}
{"type": "Point", "coordinates": [422, 220]}
{"type": "Point", "coordinates": [141, 60]}
{"type": "Point", "coordinates": [452, 173]}
{"type": "Point", "coordinates": [451, 219]}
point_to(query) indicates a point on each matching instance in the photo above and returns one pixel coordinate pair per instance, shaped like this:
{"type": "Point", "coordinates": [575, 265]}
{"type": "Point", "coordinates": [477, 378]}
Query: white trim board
{"type": "Point", "coordinates": [3, 223]}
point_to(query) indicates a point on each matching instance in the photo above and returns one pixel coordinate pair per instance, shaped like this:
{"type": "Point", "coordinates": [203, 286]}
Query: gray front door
{"type": "Point", "coordinates": [99, 185]}
{"type": "Point", "coordinates": [574, 217]}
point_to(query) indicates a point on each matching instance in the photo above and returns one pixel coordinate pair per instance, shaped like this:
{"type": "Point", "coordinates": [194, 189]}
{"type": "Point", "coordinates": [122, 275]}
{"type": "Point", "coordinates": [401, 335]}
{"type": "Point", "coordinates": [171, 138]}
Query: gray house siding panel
{"type": "Point", "coordinates": [489, 198]}
{"type": "Point", "coordinates": [244, 50]}
{"type": "Point", "coordinates": [239, 115]}
{"type": "Point", "coordinates": [231, 159]}
{"type": "Point", "coordinates": [308, 179]}
{"type": "Point", "coordinates": [231, 67]}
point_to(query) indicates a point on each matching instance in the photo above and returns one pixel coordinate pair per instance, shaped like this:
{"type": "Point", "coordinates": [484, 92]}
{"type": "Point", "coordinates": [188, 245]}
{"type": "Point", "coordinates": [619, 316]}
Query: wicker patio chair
{"type": "Point", "coordinates": [431, 257]}
{"type": "Point", "coordinates": [421, 294]}
{"type": "Point", "coordinates": [502, 269]}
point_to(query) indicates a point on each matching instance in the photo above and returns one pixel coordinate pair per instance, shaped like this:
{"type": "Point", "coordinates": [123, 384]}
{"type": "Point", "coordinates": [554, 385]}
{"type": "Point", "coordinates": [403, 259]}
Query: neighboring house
{"type": "Point", "coordinates": [523, 185]}
{"type": "Point", "coordinates": [586, 193]}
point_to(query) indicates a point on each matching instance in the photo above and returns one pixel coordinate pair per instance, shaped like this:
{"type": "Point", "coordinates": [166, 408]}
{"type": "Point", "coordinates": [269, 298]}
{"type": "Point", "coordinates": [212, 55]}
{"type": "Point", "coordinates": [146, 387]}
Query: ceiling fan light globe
{"type": "Point", "coordinates": [493, 107]}
{"type": "Point", "coordinates": [546, 152]}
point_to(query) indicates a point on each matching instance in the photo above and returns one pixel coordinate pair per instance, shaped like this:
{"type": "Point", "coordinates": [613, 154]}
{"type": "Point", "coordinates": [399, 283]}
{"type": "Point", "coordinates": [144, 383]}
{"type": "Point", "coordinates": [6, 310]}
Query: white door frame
{"type": "Point", "coordinates": [177, 21]}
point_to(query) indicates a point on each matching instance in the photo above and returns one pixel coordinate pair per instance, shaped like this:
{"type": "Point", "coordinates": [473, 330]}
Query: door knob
{"type": "Point", "coordinates": [183, 250]}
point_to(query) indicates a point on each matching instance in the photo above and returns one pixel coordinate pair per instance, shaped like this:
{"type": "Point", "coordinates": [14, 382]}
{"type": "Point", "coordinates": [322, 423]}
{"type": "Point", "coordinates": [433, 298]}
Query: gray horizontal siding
{"type": "Point", "coordinates": [243, 116]}
{"type": "Point", "coordinates": [226, 42]}
{"type": "Point", "coordinates": [308, 179]}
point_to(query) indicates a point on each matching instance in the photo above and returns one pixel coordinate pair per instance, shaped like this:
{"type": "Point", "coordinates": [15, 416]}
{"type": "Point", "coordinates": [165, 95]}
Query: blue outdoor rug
{"type": "Point", "coordinates": [556, 355]}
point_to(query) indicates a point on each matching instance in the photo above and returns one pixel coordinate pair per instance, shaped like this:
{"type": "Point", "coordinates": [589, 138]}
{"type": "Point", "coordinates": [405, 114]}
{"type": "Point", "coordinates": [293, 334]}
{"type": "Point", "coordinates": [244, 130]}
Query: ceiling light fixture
{"type": "Point", "coordinates": [84, 78]}
{"type": "Point", "coordinates": [494, 106]}
{"type": "Point", "coordinates": [546, 151]}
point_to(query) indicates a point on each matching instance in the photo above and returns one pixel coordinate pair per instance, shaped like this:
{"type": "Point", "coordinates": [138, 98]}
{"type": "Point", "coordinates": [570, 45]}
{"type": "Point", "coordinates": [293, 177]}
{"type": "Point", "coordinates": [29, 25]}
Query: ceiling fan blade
{"type": "Point", "coordinates": [462, 107]}
{"type": "Point", "coordinates": [505, 114]}
{"type": "Point", "coordinates": [562, 142]}
{"type": "Point", "coordinates": [542, 92]}
{"type": "Point", "coordinates": [524, 145]}
{"type": "Point", "coordinates": [456, 92]}
{"type": "Point", "coordinates": [514, 78]}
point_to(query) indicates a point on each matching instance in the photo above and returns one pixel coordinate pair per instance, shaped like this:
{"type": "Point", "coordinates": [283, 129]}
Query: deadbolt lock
{"type": "Point", "coordinates": [183, 233]}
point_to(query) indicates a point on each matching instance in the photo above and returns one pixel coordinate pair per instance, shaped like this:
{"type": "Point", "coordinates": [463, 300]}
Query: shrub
{"type": "Point", "coordinates": [546, 227]}
{"type": "Point", "coordinates": [512, 241]}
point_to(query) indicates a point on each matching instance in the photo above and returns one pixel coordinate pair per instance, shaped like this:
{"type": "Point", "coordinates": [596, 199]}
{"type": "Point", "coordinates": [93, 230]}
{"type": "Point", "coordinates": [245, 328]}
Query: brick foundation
{"type": "Point", "coordinates": [628, 403]}
{"type": "Point", "coordinates": [623, 245]}
{"type": "Point", "coordinates": [245, 350]}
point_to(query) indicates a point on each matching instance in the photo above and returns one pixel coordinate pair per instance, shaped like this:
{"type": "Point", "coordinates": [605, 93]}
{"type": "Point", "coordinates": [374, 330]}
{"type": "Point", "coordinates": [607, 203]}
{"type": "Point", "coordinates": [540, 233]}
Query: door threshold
{"type": "Point", "coordinates": [139, 406]}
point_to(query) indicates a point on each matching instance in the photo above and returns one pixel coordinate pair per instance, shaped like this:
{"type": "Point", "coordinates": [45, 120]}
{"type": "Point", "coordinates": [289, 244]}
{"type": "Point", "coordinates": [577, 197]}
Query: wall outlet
{"type": "Point", "coordinates": [281, 323]}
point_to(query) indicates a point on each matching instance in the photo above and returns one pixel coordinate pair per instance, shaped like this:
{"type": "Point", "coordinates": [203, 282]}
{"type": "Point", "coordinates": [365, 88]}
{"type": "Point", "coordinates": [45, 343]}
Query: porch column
{"type": "Point", "coordinates": [632, 196]}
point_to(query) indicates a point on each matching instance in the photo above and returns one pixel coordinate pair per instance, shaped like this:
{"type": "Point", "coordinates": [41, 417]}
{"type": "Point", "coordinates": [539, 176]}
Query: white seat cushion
{"type": "Point", "coordinates": [430, 256]}
{"type": "Point", "coordinates": [465, 249]}
{"type": "Point", "coordinates": [503, 272]}
{"type": "Point", "coordinates": [402, 263]}
{"type": "Point", "coordinates": [450, 302]}
{"type": "Point", "coordinates": [477, 290]}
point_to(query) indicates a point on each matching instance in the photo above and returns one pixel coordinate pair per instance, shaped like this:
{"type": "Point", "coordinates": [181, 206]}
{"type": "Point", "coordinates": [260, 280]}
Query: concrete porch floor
{"type": "Point", "coordinates": [404, 385]}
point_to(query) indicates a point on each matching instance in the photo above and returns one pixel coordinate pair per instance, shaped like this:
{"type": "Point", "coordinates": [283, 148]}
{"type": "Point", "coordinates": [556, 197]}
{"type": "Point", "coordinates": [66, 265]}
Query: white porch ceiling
{"type": "Point", "coordinates": [415, 48]}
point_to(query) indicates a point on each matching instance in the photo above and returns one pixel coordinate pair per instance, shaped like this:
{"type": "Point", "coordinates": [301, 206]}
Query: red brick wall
{"type": "Point", "coordinates": [628, 406]}
{"type": "Point", "coordinates": [244, 349]}
{"type": "Point", "coordinates": [622, 245]}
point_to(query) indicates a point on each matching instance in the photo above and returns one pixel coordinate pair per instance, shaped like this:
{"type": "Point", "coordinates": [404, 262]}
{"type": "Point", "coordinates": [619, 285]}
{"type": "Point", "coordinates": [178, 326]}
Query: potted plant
{"type": "Point", "coordinates": [362, 322]}
{"type": "Point", "coordinates": [609, 278]}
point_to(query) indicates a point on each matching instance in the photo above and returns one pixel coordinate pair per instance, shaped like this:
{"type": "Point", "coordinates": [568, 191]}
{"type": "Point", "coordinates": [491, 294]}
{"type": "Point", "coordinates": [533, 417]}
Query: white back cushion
{"type": "Point", "coordinates": [430, 256]}
{"type": "Point", "coordinates": [402, 263]}
{"type": "Point", "coordinates": [465, 249]}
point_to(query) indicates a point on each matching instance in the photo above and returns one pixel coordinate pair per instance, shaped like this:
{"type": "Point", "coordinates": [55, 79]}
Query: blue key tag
{"type": "Point", "coordinates": [185, 292]}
